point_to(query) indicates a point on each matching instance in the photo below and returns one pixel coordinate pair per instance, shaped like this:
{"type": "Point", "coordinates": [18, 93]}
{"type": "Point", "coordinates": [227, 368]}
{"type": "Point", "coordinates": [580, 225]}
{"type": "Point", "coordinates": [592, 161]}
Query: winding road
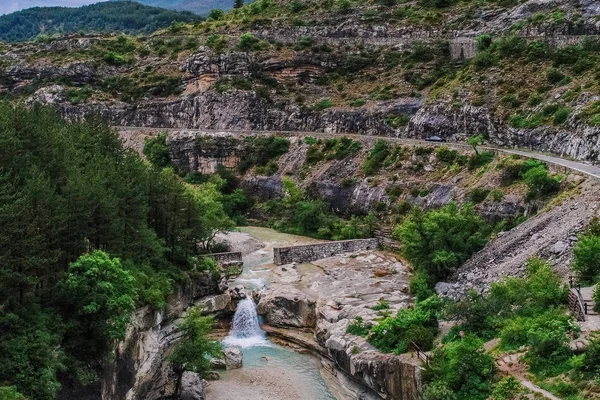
{"type": "Point", "coordinates": [589, 170]}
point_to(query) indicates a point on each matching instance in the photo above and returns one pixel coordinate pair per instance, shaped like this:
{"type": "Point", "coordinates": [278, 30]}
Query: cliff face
{"type": "Point", "coordinates": [417, 177]}
{"type": "Point", "coordinates": [138, 369]}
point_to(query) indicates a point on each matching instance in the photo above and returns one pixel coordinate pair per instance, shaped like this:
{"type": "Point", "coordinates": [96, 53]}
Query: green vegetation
{"type": "Point", "coordinates": [436, 242]}
{"type": "Point", "coordinates": [194, 350]}
{"type": "Point", "coordinates": [297, 214]}
{"type": "Point", "coordinates": [376, 157]}
{"type": "Point", "coordinates": [157, 151]}
{"type": "Point", "coordinates": [331, 149]}
{"type": "Point", "coordinates": [117, 16]}
{"type": "Point", "coordinates": [459, 370]}
{"type": "Point", "coordinates": [417, 325]}
{"type": "Point", "coordinates": [263, 152]}
{"type": "Point", "coordinates": [89, 231]}
{"type": "Point", "coordinates": [586, 254]}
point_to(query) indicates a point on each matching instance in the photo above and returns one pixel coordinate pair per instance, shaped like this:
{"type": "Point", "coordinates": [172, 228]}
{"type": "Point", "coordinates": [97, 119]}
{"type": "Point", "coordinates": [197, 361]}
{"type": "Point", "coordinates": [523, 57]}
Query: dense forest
{"type": "Point", "coordinates": [118, 16]}
{"type": "Point", "coordinates": [89, 231]}
{"type": "Point", "coordinates": [201, 7]}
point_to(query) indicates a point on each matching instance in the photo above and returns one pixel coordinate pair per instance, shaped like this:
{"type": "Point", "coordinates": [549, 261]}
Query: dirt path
{"type": "Point", "coordinates": [511, 365]}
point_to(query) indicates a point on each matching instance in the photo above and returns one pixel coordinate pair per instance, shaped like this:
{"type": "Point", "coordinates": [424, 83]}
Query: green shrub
{"type": "Point", "coordinates": [548, 349]}
{"type": "Point", "coordinates": [248, 42]}
{"type": "Point", "coordinates": [374, 160]}
{"type": "Point", "coordinates": [445, 155]}
{"type": "Point", "coordinates": [480, 159]}
{"type": "Point", "coordinates": [157, 151]}
{"type": "Point", "coordinates": [358, 327]}
{"type": "Point", "coordinates": [420, 286]}
{"type": "Point", "coordinates": [383, 304]}
{"type": "Point", "coordinates": [216, 14]}
{"type": "Point", "coordinates": [484, 42]}
{"type": "Point", "coordinates": [411, 325]}
{"type": "Point", "coordinates": [438, 241]}
{"type": "Point", "coordinates": [506, 389]}
{"type": "Point", "coordinates": [477, 195]}
{"type": "Point", "coordinates": [561, 115]}
{"type": "Point", "coordinates": [497, 194]}
{"type": "Point", "coordinates": [462, 368]}
{"type": "Point", "coordinates": [323, 104]}
{"type": "Point", "coordinates": [359, 102]}
{"type": "Point", "coordinates": [216, 42]}
{"type": "Point", "coordinates": [397, 121]}
{"type": "Point", "coordinates": [539, 182]}
{"type": "Point", "coordinates": [586, 258]}
{"type": "Point", "coordinates": [261, 150]}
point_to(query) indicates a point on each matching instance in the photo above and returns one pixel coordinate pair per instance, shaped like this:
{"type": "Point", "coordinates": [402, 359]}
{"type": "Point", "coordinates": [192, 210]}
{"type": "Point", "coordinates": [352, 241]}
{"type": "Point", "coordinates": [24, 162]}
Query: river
{"type": "Point", "coordinates": [270, 371]}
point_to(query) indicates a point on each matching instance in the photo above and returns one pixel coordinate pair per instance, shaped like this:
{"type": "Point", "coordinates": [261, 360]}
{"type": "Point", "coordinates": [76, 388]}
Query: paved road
{"type": "Point", "coordinates": [584, 168]}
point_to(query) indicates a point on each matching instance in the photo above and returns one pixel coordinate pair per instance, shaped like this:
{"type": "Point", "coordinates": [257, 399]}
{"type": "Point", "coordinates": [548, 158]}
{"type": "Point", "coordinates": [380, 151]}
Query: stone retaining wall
{"type": "Point", "coordinates": [312, 252]}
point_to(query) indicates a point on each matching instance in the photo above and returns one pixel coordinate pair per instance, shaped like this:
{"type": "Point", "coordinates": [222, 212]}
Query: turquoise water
{"type": "Point", "coordinates": [301, 367]}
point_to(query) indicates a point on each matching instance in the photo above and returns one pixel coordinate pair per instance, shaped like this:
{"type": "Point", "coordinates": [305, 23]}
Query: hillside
{"type": "Point", "coordinates": [300, 115]}
{"type": "Point", "coordinates": [120, 16]}
{"type": "Point", "coordinates": [201, 7]}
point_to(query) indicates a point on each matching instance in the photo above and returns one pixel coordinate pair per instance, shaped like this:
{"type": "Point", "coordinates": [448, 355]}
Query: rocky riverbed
{"type": "Point", "coordinates": [310, 306]}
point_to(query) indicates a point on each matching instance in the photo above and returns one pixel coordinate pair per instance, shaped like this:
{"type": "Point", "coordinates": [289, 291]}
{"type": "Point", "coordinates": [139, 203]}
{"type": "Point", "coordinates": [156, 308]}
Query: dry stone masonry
{"type": "Point", "coordinates": [312, 252]}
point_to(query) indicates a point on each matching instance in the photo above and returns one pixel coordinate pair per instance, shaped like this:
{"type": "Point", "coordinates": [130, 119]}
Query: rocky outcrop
{"type": "Point", "coordinates": [346, 287]}
{"type": "Point", "coordinates": [233, 110]}
{"type": "Point", "coordinates": [139, 369]}
{"type": "Point", "coordinates": [576, 140]}
{"type": "Point", "coordinates": [192, 387]}
{"type": "Point", "coordinates": [288, 307]}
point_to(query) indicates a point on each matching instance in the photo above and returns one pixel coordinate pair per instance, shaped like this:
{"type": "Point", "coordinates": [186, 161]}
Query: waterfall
{"type": "Point", "coordinates": [245, 330]}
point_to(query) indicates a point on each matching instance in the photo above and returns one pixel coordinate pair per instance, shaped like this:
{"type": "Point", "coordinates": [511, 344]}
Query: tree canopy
{"type": "Point", "coordinates": [113, 16]}
{"type": "Point", "coordinates": [89, 230]}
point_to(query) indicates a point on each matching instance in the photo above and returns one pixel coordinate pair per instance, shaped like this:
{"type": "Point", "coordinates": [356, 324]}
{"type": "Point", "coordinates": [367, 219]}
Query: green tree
{"type": "Point", "coordinates": [475, 141]}
{"type": "Point", "coordinates": [157, 151]}
{"type": "Point", "coordinates": [216, 14]}
{"type": "Point", "coordinates": [438, 241]}
{"type": "Point", "coordinates": [461, 367]}
{"type": "Point", "coordinates": [98, 296]}
{"type": "Point", "coordinates": [586, 262]}
{"type": "Point", "coordinates": [194, 350]}
{"type": "Point", "coordinates": [374, 160]}
{"type": "Point", "coordinates": [10, 393]}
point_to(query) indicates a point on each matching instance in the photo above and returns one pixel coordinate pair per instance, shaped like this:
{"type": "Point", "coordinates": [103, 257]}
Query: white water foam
{"type": "Point", "coordinates": [245, 331]}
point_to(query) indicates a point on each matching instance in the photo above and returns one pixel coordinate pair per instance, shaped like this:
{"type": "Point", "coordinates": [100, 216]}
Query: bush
{"type": "Point", "coordinates": [561, 115]}
{"type": "Point", "coordinates": [248, 42]}
{"type": "Point", "coordinates": [374, 160]}
{"type": "Point", "coordinates": [586, 258]}
{"type": "Point", "coordinates": [420, 286]}
{"type": "Point", "coordinates": [506, 389]}
{"type": "Point", "coordinates": [194, 350]}
{"type": "Point", "coordinates": [445, 155]}
{"type": "Point", "coordinates": [358, 327]}
{"type": "Point", "coordinates": [411, 325]}
{"type": "Point", "coordinates": [216, 14]}
{"type": "Point", "coordinates": [484, 42]}
{"type": "Point", "coordinates": [463, 368]}
{"type": "Point", "coordinates": [216, 42]}
{"type": "Point", "coordinates": [323, 104]}
{"type": "Point", "coordinates": [260, 150]}
{"type": "Point", "coordinates": [477, 195]}
{"type": "Point", "coordinates": [478, 160]}
{"type": "Point", "coordinates": [438, 241]}
{"type": "Point", "coordinates": [539, 182]}
{"type": "Point", "coordinates": [548, 349]}
{"type": "Point", "coordinates": [157, 151]}
{"type": "Point", "coordinates": [497, 194]}
{"type": "Point", "coordinates": [591, 360]}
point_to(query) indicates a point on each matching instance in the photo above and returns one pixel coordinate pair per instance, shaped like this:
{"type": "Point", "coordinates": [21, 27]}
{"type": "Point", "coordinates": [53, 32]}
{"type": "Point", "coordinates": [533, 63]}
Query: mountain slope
{"type": "Point", "coordinates": [120, 16]}
{"type": "Point", "coordinates": [196, 6]}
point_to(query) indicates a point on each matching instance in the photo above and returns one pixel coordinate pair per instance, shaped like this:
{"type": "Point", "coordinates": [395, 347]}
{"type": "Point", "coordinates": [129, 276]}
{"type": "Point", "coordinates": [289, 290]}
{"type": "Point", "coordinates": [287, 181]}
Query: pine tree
{"type": "Point", "coordinates": [238, 4]}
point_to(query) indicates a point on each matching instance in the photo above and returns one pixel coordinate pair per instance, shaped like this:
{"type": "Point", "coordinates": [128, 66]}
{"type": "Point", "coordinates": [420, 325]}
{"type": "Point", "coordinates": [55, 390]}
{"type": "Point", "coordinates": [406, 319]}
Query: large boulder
{"type": "Point", "coordinates": [286, 306]}
{"type": "Point", "coordinates": [218, 303]}
{"type": "Point", "coordinates": [233, 357]}
{"type": "Point", "coordinates": [192, 387]}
